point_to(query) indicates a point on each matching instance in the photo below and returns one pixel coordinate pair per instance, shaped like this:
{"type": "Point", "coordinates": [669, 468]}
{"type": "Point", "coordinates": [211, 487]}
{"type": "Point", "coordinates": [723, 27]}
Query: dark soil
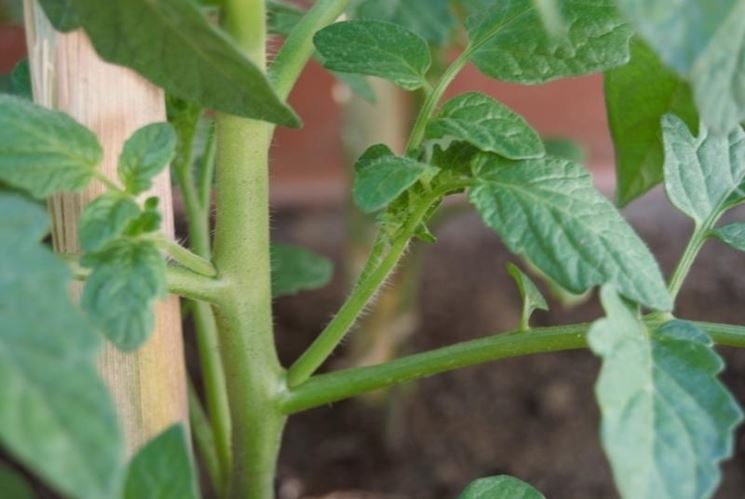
{"type": "Point", "coordinates": [533, 417]}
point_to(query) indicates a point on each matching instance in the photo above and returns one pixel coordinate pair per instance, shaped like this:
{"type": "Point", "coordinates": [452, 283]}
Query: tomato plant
{"type": "Point", "coordinates": [675, 86]}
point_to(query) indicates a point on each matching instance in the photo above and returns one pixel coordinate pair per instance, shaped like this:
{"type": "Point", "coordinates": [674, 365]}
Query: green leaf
{"type": "Point", "coordinates": [43, 151]}
{"type": "Point", "coordinates": [732, 235]}
{"type": "Point", "coordinates": [296, 269]}
{"type": "Point", "coordinates": [170, 43]}
{"type": "Point", "coordinates": [532, 298]}
{"type": "Point", "coordinates": [162, 469]}
{"type": "Point", "coordinates": [433, 20]}
{"type": "Point", "coordinates": [550, 13]}
{"type": "Point", "coordinates": [58, 419]}
{"type": "Point", "coordinates": [702, 173]}
{"type": "Point", "coordinates": [13, 485]}
{"type": "Point", "coordinates": [127, 276]}
{"type": "Point", "coordinates": [147, 221]}
{"type": "Point", "coordinates": [61, 14]}
{"type": "Point", "coordinates": [667, 421]}
{"type": "Point", "coordinates": [486, 124]}
{"type": "Point", "coordinates": [382, 177]}
{"type": "Point", "coordinates": [637, 96]}
{"type": "Point", "coordinates": [509, 42]}
{"type": "Point", "coordinates": [565, 148]}
{"type": "Point", "coordinates": [282, 17]}
{"type": "Point", "coordinates": [104, 219]}
{"type": "Point", "coordinates": [375, 48]}
{"type": "Point", "coordinates": [703, 40]}
{"type": "Point", "coordinates": [548, 210]}
{"type": "Point", "coordinates": [500, 487]}
{"type": "Point", "coordinates": [145, 154]}
{"type": "Point", "coordinates": [20, 80]}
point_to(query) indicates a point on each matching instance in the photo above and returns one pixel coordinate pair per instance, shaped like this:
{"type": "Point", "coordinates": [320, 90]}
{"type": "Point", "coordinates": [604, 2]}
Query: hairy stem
{"type": "Point", "coordinates": [431, 100]}
{"type": "Point", "coordinates": [326, 388]}
{"type": "Point", "coordinates": [697, 241]}
{"type": "Point", "coordinates": [298, 47]}
{"type": "Point", "coordinates": [204, 439]}
{"type": "Point", "coordinates": [253, 374]}
{"type": "Point", "coordinates": [186, 258]}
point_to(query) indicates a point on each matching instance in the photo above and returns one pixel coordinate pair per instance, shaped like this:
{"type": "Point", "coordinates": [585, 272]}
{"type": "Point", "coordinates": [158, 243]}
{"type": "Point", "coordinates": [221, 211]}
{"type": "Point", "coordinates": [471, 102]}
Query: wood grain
{"type": "Point", "coordinates": [148, 386]}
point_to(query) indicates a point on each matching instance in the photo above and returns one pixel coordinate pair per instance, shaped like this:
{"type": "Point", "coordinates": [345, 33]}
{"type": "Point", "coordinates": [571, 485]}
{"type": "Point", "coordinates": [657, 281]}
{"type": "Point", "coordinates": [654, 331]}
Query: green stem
{"type": "Point", "coordinates": [184, 282]}
{"type": "Point", "coordinates": [207, 174]}
{"type": "Point", "coordinates": [374, 274]}
{"type": "Point", "coordinates": [186, 258]}
{"type": "Point", "coordinates": [203, 438]}
{"type": "Point", "coordinates": [253, 374]}
{"type": "Point", "coordinates": [298, 48]}
{"type": "Point", "coordinates": [431, 100]}
{"type": "Point", "coordinates": [697, 241]}
{"type": "Point", "coordinates": [326, 388]}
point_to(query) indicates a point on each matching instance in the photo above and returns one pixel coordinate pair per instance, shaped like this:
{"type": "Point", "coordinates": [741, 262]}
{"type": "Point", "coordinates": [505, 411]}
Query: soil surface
{"type": "Point", "coordinates": [533, 417]}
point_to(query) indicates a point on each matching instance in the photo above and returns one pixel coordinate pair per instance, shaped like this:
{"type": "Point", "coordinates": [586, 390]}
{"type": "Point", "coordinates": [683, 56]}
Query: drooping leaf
{"type": "Point", "coordinates": [532, 298]}
{"type": "Point", "coordinates": [548, 210]}
{"type": "Point", "coordinates": [13, 485]}
{"type": "Point", "coordinates": [500, 487]}
{"type": "Point", "coordinates": [296, 269]}
{"type": "Point", "coordinates": [105, 219]}
{"type": "Point", "coordinates": [381, 177]}
{"type": "Point", "coordinates": [375, 48]}
{"type": "Point", "coordinates": [20, 80]}
{"type": "Point", "coordinates": [433, 20]}
{"type": "Point", "coordinates": [170, 43]}
{"type": "Point", "coordinates": [702, 173]}
{"type": "Point", "coordinates": [43, 151]}
{"type": "Point", "coordinates": [57, 417]}
{"type": "Point", "coordinates": [162, 469]}
{"type": "Point", "coordinates": [145, 154]}
{"type": "Point", "coordinates": [509, 41]}
{"type": "Point", "coordinates": [667, 421]}
{"type": "Point", "coordinates": [61, 14]}
{"type": "Point", "coordinates": [638, 95]}
{"type": "Point", "coordinates": [703, 40]}
{"type": "Point", "coordinates": [562, 147]}
{"type": "Point", "coordinates": [732, 235]}
{"type": "Point", "coordinates": [127, 276]}
{"type": "Point", "coordinates": [486, 124]}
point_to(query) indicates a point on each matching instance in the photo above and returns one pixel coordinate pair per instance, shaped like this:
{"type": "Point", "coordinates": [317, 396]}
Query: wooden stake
{"type": "Point", "coordinates": [148, 386]}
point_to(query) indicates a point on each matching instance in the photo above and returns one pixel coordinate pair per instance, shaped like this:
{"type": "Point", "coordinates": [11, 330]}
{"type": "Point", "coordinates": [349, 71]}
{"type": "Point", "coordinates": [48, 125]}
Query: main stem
{"type": "Point", "coordinates": [241, 254]}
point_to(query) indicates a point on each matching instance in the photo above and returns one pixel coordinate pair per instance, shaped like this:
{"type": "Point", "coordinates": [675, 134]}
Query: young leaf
{"type": "Point", "coordinates": [162, 468]}
{"type": "Point", "coordinates": [532, 297]}
{"type": "Point", "coordinates": [147, 221]}
{"type": "Point", "coordinates": [57, 416]}
{"type": "Point", "coordinates": [433, 20]}
{"type": "Point", "coordinates": [20, 80]}
{"type": "Point", "coordinates": [500, 487]}
{"type": "Point", "coordinates": [381, 177]}
{"type": "Point", "coordinates": [145, 154]}
{"type": "Point", "coordinates": [13, 485]}
{"type": "Point", "coordinates": [702, 173]}
{"type": "Point", "coordinates": [127, 276]}
{"type": "Point", "coordinates": [548, 210]}
{"type": "Point", "coordinates": [61, 14]}
{"type": "Point", "coordinates": [661, 388]}
{"type": "Point", "coordinates": [296, 269]}
{"type": "Point", "coordinates": [375, 48]}
{"type": "Point", "coordinates": [509, 42]}
{"type": "Point", "coordinates": [486, 124]}
{"type": "Point", "coordinates": [637, 96]}
{"type": "Point", "coordinates": [105, 219]}
{"type": "Point", "coordinates": [170, 43]}
{"type": "Point", "coordinates": [703, 40]}
{"type": "Point", "coordinates": [732, 234]}
{"type": "Point", "coordinates": [43, 151]}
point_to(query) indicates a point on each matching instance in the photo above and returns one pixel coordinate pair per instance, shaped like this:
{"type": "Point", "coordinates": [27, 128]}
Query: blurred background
{"type": "Point", "coordinates": [533, 417]}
